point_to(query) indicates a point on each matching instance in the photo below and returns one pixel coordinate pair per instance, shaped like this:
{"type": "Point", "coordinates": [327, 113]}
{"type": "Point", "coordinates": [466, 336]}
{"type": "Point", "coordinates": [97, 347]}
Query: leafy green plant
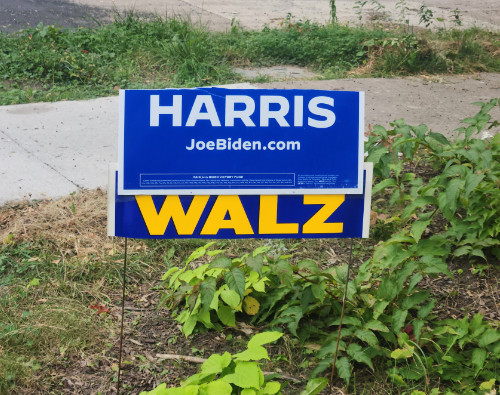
{"type": "Point", "coordinates": [333, 11]}
{"type": "Point", "coordinates": [214, 292]}
{"type": "Point", "coordinates": [466, 352]}
{"type": "Point", "coordinates": [426, 15]}
{"type": "Point", "coordinates": [47, 63]}
{"type": "Point", "coordinates": [306, 299]}
{"type": "Point", "coordinates": [226, 373]}
{"type": "Point", "coordinates": [464, 190]}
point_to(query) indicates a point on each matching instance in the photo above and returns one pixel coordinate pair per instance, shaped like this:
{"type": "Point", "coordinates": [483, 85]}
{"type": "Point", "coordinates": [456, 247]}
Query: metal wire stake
{"type": "Point", "coordinates": [342, 312]}
{"type": "Point", "coordinates": [123, 315]}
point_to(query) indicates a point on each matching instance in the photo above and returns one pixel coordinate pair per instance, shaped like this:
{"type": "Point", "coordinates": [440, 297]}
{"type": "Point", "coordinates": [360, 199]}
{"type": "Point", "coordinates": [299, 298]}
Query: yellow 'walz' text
{"type": "Point", "coordinates": [228, 213]}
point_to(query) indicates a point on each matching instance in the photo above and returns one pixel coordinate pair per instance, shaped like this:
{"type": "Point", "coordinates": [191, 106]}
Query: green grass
{"type": "Point", "coordinates": [48, 63]}
{"type": "Point", "coordinates": [46, 325]}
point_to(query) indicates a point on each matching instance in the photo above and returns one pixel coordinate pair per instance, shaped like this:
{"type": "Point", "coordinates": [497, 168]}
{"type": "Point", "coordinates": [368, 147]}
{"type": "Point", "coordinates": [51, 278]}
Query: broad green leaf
{"type": "Point", "coordinates": [476, 322]}
{"type": "Point", "coordinates": [387, 183]}
{"type": "Point", "coordinates": [251, 305]}
{"type": "Point", "coordinates": [343, 369]}
{"type": "Point", "coordinates": [219, 387]}
{"type": "Point", "coordinates": [230, 297]}
{"type": "Point", "coordinates": [379, 308]}
{"type": "Point", "coordinates": [396, 378]}
{"type": "Point", "coordinates": [189, 325]}
{"type": "Point", "coordinates": [376, 155]}
{"type": "Point", "coordinates": [376, 326]}
{"type": "Point", "coordinates": [489, 336]}
{"type": "Point", "coordinates": [215, 252]}
{"type": "Point", "coordinates": [207, 292]}
{"type": "Point", "coordinates": [271, 387]}
{"type": "Point", "coordinates": [417, 328]}
{"type": "Point", "coordinates": [464, 250]}
{"type": "Point", "coordinates": [296, 313]}
{"type": "Point", "coordinates": [414, 300]}
{"type": "Point", "coordinates": [478, 358]}
{"type": "Point", "coordinates": [455, 170]}
{"type": "Point", "coordinates": [216, 363]}
{"type": "Point", "coordinates": [226, 315]}
{"type": "Point", "coordinates": [264, 338]}
{"type": "Point", "coordinates": [439, 137]}
{"type": "Point", "coordinates": [412, 372]}
{"type": "Point", "coordinates": [214, 305]}
{"type": "Point", "coordinates": [248, 391]}
{"type": "Point", "coordinates": [308, 266]}
{"type": "Point", "coordinates": [479, 253]}
{"type": "Point", "coordinates": [487, 385]}
{"type": "Point", "coordinates": [221, 262]}
{"type": "Point", "coordinates": [403, 353]}
{"type": "Point", "coordinates": [255, 263]}
{"type": "Point", "coordinates": [198, 378]}
{"type": "Point", "coordinates": [255, 353]}
{"type": "Point", "coordinates": [367, 336]}
{"type": "Point", "coordinates": [260, 286]}
{"type": "Point", "coordinates": [417, 392]}
{"type": "Point", "coordinates": [418, 203]}
{"type": "Point", "coordinates": [199, 252]}
{"type": "Point", "coordinates": [348, 320]}
{"type": "Point", "coordinates": [204, 318]}
{"type": "Point", "coordinates": [261, 250]}
{"type": "Point", "coordinates": [235, 279]}
{"type": "Point", "coordinates": [420, 131]}
{"type": "Point", "coordinates": [418, 229]}
{"type": "Point", "coordinates": [283, 270]}
{"type": "Point", "coordinates": [414, 281]}
{"type": "Point", "coordinates": [387, 290]}
{"type": "Point", "coordinates": [160, 390]}
{"type": "Point", "coordinates": [453, 189]}
{"type": "Point", "coordinates": [35, 282]}
{"type": "Point", "coordinates": [315, 386]}
{"type": "Point", "coordinates": [358, 354]}
{"type": "Point", "coordinates": [246, 375]}
{"type": "Point", "coordinates": [169, 272]}
{"type": "Point", "coordinates": [398, 319]}
{"type": "Point", "coordinates": [437, 266]}
{"type": "Point", "coordinates": [471, 182]}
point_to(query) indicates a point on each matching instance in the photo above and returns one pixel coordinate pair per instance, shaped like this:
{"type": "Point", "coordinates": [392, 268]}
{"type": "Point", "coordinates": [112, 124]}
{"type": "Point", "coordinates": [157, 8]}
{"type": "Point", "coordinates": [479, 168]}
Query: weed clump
{"type": "Point", "coordinates": [49, 63]}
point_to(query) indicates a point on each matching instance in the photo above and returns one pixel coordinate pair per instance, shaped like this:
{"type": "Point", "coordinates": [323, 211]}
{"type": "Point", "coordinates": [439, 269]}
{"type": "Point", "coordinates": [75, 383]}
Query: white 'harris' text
{"type": "Point", "coordinates": [243, 108]}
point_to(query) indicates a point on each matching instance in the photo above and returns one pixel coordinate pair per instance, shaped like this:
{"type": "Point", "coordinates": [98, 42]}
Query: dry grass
{"type": "Point", "coordinates": [75, 225]}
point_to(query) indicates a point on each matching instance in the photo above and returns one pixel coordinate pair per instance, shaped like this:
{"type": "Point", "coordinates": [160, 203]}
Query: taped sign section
{"type": "Point", "coordinates": [240, 216]}
{"type": "Point", "coordinates": [215, 141]}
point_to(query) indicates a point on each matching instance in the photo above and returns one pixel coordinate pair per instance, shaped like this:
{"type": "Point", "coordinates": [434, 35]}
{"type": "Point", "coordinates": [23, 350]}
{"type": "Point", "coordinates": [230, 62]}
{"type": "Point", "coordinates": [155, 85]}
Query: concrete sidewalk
{"type": "Point", "coordinates": [49, 150]}
{"type": "Point", "coordinates": [220, 14]}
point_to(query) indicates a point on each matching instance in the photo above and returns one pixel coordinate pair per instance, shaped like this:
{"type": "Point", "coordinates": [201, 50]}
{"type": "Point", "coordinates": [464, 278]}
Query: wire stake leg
{"type": "Point", "coordinates": [342, 312]}
{"type": "Point", "coordinates": [123, 316]}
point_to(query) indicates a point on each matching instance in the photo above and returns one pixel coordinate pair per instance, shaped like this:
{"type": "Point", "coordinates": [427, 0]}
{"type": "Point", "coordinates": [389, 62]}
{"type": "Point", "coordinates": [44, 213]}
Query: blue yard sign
{"type": "Point", "coordinates": [239, 216]}
{"type": "Point", "coordinates": [215, 141]}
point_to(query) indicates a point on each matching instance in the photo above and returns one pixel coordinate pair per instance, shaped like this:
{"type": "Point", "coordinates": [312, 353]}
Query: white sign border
{"type": "Point", "coordinates": [253, 191]}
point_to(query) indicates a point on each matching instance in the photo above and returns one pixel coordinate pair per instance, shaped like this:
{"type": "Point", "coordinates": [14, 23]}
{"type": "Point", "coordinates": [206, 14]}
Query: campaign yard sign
{"type": "Point", "coordinates": [239, 216]}
{"type": "Point", "coordinates": [216, 141]}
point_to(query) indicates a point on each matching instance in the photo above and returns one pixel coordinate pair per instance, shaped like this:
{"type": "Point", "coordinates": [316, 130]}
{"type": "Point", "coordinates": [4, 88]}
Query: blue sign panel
{"type": "Point", "coordinates": [240, 216]}
{"type": "Point", "coordinates": [215, 141]}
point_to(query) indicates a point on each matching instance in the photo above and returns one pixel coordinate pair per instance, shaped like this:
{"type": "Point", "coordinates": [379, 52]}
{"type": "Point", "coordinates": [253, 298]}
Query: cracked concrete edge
{"type": "Point", "coordinates": [40, 160]}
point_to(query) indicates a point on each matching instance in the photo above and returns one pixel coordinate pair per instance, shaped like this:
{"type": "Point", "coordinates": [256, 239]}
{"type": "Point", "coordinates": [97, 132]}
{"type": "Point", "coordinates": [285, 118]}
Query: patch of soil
{"type": "Point", "coordinates": [474, 289]}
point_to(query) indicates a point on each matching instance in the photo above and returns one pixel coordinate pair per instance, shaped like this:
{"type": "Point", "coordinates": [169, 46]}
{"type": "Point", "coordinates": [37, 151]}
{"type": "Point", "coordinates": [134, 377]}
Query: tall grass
{"type": "Point", "coordinates": [50, 63]}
